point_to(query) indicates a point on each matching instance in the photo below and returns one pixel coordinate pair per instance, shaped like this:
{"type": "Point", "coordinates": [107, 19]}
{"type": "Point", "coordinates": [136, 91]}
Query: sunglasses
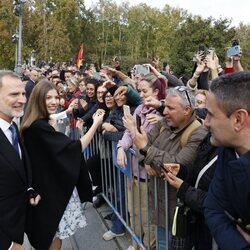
{"type": "Point", "coordinates": [184, 89]}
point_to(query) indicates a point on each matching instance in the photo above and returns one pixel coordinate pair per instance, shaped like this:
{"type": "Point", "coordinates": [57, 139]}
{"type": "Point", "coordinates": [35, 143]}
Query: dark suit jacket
{"type": "Point", "coordinates": [57, 167]}
{"type": "Point", "coordinates": [28, 88]}
{"type": "Point", "coordinates": [14, 181]}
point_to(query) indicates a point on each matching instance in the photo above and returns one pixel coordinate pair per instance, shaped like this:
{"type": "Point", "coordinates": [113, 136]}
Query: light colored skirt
{"type": "Point", "coordinates": [72, 219]}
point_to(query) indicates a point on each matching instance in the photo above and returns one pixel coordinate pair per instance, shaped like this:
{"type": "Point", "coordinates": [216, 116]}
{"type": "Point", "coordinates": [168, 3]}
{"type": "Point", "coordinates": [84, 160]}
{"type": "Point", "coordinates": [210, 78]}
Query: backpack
{"type": "Point", "coordinates": [187, 132]}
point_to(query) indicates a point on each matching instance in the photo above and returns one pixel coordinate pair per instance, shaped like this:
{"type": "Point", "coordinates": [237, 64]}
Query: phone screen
{"type": "Point", "coordinates": [126, 110]}
{"type": "Point", "coordinates": [138, 122]}
{"type": "Point", "coordinates": [234, 51]}
{"type": "Point", "coordinates": [140, 69]}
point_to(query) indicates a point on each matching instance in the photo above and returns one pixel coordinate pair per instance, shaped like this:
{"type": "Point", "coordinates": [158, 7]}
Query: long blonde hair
{"type": "Point", "coordinates": [36, 108]}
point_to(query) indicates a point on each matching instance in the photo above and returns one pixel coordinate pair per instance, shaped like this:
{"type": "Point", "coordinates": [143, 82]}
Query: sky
{"type": "Point", "coordinates": [237, 10]}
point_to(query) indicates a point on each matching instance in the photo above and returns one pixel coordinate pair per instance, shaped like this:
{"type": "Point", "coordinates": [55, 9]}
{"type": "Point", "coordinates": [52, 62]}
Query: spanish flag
{"type": "Point", "coordinates": [79, 57]}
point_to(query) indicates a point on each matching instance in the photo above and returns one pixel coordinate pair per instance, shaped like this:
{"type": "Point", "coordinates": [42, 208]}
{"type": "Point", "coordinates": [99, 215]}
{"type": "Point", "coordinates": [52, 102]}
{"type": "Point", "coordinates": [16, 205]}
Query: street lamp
{"type": "Point", "coordinates": [14, 39]}
{"type": "Point", "coordinates": [33, 58]}
{"type": "Point", "coordinates": [17, 10]}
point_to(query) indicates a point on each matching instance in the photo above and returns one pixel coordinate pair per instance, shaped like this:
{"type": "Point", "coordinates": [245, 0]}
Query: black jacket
{"type": "Point", "coordinates": [15, 179]}
{"type": "Point", "coordinates": [58, 166]}
{"type": "Point", "coordinates": [194, 197]}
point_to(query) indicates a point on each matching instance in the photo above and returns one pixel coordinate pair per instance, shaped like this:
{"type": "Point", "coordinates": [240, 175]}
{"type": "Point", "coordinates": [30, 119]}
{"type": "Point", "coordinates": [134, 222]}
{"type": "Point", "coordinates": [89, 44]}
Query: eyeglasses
{"type": "Point", "coordinates": [108, 96]}
{"type": "Point", "coordinates": [184, 89]}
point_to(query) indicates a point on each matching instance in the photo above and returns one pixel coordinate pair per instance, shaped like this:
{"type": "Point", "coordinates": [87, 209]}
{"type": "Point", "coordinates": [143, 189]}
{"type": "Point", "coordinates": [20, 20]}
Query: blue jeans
{"type": "Point", "coordinates": [160, 232]}
{"type": "Point", "coordinates": [117, 226]}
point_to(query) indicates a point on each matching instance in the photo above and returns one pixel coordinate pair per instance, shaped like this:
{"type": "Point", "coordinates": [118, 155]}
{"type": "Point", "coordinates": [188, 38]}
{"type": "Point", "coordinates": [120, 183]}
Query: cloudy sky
{"type": "Point", "coordinates": [237, 10]}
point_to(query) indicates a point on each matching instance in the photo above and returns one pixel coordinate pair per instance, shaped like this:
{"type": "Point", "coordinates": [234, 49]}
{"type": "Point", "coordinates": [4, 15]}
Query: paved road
{"type": "Point", "coordinates": [90, 237]}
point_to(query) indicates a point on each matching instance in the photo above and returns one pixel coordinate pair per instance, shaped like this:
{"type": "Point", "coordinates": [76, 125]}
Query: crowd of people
{"type": "Point", "coordinates": [192, 133]}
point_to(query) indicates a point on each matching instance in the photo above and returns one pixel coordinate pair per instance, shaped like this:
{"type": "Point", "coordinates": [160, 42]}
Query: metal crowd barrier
{"type": "Point", "coordinates": [116, 184]}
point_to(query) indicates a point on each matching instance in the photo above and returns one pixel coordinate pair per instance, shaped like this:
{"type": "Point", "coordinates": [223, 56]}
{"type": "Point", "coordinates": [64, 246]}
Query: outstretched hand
{"type": "Point", "coordinates": [98, 116]}
{"type": "Point", "coordinates": [108, 84]}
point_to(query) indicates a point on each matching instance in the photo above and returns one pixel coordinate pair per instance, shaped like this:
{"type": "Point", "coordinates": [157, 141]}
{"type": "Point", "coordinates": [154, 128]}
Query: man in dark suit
{"type": "Point", "coordinates": [15, 173]}
{"type": "Point", "coordinates": [31, 83]}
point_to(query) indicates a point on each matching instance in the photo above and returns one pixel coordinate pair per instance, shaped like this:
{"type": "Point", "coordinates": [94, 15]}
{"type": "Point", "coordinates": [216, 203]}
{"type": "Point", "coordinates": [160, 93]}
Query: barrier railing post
{"type": "Point", "coordinates": [112, 176]}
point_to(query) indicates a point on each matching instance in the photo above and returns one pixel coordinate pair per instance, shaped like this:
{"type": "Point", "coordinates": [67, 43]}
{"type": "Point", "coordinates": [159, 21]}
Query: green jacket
{"type": "Point", "coordinates": [165, 147]}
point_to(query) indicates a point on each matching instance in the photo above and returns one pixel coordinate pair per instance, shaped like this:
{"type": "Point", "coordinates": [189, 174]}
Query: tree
{"type": "Point", "coordinates": [8, 26]}
{"type": "Point", "coordinates": [193, 31]}
{"type": "Point", "coordinates": [243, 34]}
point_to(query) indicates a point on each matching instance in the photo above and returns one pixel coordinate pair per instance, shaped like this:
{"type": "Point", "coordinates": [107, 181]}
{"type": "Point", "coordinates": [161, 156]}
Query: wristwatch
{"type": "Point", "coordinates": [143, 151]}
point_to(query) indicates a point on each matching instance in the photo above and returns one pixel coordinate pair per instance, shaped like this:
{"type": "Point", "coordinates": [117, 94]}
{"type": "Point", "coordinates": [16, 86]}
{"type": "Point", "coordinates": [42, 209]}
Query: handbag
{"type": "Point", "coordinates": [181, 220]}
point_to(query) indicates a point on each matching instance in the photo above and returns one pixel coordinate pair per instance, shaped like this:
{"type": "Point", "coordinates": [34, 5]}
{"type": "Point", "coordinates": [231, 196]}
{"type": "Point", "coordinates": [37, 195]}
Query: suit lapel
{"type": "Point", "coordinates": [10, 154]}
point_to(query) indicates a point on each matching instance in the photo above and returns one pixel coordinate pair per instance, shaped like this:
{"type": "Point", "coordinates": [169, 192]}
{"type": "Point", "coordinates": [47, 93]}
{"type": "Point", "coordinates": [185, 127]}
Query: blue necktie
{"type": "Point", "coordinates": [14, 137]}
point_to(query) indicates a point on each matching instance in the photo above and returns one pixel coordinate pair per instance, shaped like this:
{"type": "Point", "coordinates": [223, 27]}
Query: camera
{"type": "Point", "coordinates": [235, 49]}
{"type": "Point", "coordinates": [203, 51]}
{"type": "Point", "coordinates": [140, 69]}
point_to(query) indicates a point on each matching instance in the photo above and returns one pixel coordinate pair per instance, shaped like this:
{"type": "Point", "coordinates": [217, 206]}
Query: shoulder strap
{"type": "Point", "coordinates": [188, 131]}
{"type": "Point", "coordinates": [209, 164]}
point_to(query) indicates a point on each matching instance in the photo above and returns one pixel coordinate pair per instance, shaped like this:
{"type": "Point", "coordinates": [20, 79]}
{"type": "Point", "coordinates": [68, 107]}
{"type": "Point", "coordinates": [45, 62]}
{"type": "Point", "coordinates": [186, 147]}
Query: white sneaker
{"type": "Point", "coordinates": [109, 235]}
{"type": "Point", "coordinates": [130, 248]}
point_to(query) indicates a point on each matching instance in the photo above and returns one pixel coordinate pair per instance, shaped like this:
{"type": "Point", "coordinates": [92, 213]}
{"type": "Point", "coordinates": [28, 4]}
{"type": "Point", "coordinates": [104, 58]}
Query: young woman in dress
{"type": "Point", "coordinates": [59, 172]}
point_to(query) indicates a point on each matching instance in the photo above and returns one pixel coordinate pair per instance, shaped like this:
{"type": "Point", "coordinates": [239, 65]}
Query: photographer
{"type": "Point", "coordinates": [206, 60]}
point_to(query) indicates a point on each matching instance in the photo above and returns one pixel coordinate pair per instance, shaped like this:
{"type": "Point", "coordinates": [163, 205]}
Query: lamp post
{"type": "Point", "coordinates": [14, 39]}
{"type": "Point", "coordinates": [18, 8]}
{"type": "Point", "coordinates": [33, 58]}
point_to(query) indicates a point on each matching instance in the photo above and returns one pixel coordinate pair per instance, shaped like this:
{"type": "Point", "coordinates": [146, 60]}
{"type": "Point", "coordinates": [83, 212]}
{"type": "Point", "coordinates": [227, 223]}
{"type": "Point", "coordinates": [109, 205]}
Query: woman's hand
{"type": "Point", "coordinates": [152, 102]}
{"type": "Point", "coordinates": [108, 84]}
{"type": "Point", "coordinates": [212, 60]}
{"type": "Point", "coordinates": [72, 105]}
{"type": "Point", "coordinates": [109, 127]}
{"type": "Point", "coordinates": [200, 67]}
{"type": "Point", "coordinates": [153, 118]}
{"type": "Point", "coordinates": [98, 116]}
{"type": "Point", "coordinates": [129, 123]}
{"type": "Point", "coordinates": [83, 103]}
{"type": "Point", "coordinates": [53, 123]}
{"type": "Point", "coordinates": [121, 157]}
{"type": "Point", "coordinates": [122, 90]}
{"type": "Point", "coordinates": [79, 125]}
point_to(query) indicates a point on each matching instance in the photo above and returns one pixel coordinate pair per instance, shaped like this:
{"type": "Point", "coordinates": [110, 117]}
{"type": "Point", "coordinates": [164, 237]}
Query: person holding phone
{"type": "Point", "coordinates": [113, 130]}
{"type": "Point", "coordinates": [192, 184]}
{"type": "Point", "coordinates": [146, 116]}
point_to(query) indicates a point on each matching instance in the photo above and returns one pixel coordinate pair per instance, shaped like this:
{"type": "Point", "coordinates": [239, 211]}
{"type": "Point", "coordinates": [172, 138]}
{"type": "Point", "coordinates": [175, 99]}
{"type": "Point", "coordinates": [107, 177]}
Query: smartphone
{"type": "Point", "coordinates": [142, 70]}
{"type": "Point", "coordinates": [159, 164]}
{"type": "Point", "coordinates": [126, 110]}
{"type": "Point", "coordinates": [138, 122]}
{"type": "Point", "coordinates": [202, 51]}
{"type": "Point", "coordinates": [211, 51]}
{"type": "Point", "coordinates": [234, 51]}
{"type": "Point", "coordinates": [240, 224]}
